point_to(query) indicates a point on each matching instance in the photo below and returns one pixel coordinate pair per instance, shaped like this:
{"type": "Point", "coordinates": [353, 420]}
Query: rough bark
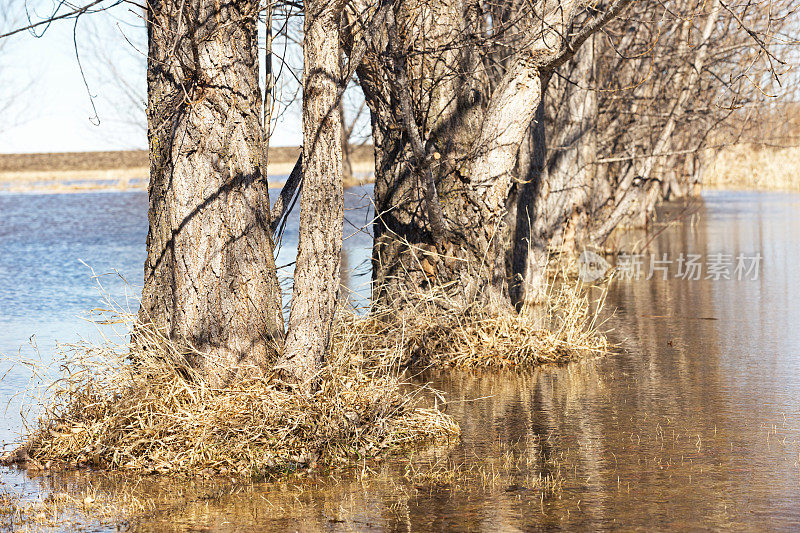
{"type": "Point", "coordinates": [317, 271]}
{"type": "Point", "coordinates": [553, 203]}
{"type": "Point", "coordinates": [529, 249]}
{"type": "Point", "coordinates": [419, 130]}
{"type": "Point", "coordinates": [473, 100]}
{"type": "Point", "coordinates": [210, 280]}
{"type": "Point", "coordinates": [571, 155]}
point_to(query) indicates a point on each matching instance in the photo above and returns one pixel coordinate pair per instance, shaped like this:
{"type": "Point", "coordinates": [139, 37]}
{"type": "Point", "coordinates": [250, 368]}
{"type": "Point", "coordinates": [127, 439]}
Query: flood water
{"type": "Point", "coordinates": [694, 422]}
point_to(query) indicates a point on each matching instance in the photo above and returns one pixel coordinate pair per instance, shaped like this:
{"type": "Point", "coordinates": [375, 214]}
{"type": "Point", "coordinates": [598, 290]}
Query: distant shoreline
{"type": "Point", "coordinates": [748, 167]}
{"type": "Point", "coordinates": [740, 167]}
{"type": "Point", "coordinates": [129, 170]}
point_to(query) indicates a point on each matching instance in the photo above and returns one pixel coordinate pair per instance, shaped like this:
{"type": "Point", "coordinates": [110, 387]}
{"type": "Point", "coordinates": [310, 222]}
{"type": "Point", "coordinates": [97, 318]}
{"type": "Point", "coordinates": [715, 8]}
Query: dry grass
{"type": "Point", "coordinates": [563, 330]}
{"type": "Point", "coordinates": [136, 159]}
{"type": "Point", "coordinates": [141, 407]}
{"type": "Point", "coordinates": [125, 179]}
{"type": "Point", "coordinates": [745, 166]}
{"type": "Point", "coordinates": [160, 416]}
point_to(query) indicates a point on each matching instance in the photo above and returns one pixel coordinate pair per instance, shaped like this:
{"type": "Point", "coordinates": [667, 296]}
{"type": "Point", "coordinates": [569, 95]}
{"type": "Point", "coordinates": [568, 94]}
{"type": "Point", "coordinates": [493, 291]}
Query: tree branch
{"type": "Point", "coordinates": [283, 205]}
{"type": "Point", "coordinates": [574, 44]}
{"type": "Point", "coordinates": [76, 12]}
{"type": "Point", "coordinates": [421, 157]}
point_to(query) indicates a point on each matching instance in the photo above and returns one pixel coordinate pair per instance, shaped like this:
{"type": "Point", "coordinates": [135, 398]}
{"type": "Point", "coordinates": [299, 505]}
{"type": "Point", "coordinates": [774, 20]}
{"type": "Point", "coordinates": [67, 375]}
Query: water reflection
{"type": "Point", "coordinates": [693, 424]}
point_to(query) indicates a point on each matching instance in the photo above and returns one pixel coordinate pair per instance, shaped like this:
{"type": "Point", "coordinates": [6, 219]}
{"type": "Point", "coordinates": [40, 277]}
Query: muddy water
{"type": "Point", "coordinates": [693, 424]}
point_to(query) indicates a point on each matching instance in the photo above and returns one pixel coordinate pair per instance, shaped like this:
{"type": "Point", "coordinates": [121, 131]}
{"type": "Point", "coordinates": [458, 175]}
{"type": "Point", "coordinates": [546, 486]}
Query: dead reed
{"type": "Point", "coordinates": [746, 166]}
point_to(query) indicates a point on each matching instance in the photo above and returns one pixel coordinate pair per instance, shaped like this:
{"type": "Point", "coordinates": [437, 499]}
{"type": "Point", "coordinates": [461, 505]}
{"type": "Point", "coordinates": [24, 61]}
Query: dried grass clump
{"type": "Point", "coordinates": [159, 416]}
{"type": "Point", "coordinates": [562, 330]}
{"type": "Point", "coordinates": [143, 407]}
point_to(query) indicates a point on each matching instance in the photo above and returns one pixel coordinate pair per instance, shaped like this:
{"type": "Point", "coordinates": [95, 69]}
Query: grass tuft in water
{"type": "Point", "coordinates": [564, 329]}
{"type": "Point", "coordinates": [160, 416]}
{"type": "Point", "coordinates": [143, 407]}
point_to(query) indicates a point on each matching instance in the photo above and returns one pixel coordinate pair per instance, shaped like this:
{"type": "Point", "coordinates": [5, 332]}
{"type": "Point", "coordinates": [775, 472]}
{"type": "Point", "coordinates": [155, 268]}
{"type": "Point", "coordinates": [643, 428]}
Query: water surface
{"type": "Point", "coordinates": [693, 424]}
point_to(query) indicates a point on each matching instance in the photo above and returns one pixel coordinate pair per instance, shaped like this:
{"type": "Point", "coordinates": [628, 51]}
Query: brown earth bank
{"type": "Point", "coordinates": [73, 161]}
{"type": "Point", "coordinates": [128, 169]}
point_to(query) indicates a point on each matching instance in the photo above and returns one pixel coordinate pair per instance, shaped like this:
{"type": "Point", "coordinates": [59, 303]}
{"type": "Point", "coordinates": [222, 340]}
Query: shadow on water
{"type": "Point", "coordinates": [693, 423]}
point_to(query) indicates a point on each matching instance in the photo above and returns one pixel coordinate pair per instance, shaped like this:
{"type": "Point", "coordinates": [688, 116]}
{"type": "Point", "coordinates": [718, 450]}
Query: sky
{"type": "Point", "coordinates": [45, 106]}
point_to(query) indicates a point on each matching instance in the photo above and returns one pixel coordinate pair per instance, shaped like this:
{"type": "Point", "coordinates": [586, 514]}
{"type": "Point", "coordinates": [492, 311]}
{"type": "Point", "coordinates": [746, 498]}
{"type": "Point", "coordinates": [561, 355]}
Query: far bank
{"type": "Point", "coordinates": [129, 169]}
{"type": "Point", "coordinates": [743, 166]}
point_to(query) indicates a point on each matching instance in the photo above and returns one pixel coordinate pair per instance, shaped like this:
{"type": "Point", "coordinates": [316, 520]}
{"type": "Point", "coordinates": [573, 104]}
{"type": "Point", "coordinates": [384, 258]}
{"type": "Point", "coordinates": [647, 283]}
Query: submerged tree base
{"type": "Point", "coordinates": [430, 331]}
{"type": "Point", "coordinates": [159, 416]}
{"type": "Point", "coordinates": [143, 407]}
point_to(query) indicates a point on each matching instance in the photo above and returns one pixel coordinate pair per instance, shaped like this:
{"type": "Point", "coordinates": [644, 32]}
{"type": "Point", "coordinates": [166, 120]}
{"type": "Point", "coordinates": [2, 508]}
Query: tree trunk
{"type": "Point", "coordinates": [446, 146]}
{"type": "Point", "coordinates": [443, 116]}
{"type": "Point", "coordinates": [570, 163]}
{"type": "Point", "coordinates": [317, 272]}
{"type": "Point", "coordinates": [553, 203]}
{"type": "Point", "coordinates": [210, 279]}
{"type": "Point", "coordinates": [452, 100]}
{"type": "Point", "coordinates": [529, 250]}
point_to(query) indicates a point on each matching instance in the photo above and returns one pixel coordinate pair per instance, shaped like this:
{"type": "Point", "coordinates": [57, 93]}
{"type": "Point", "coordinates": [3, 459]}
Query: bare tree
{"type": "Point", "coordinates": [317, 272]}
{"type": "Point", "coordinates": [453, 88]}
{"type": "Point", "coordinates": [502, 131]}
{"type": "Point", "coordinates": [352, 109]}
{"type": "Point", "coordinates": [668, 90]}
{"type": "Point", "coordinates": [557, 159]}
{"type": "Point", "coordinates": [210, 277]}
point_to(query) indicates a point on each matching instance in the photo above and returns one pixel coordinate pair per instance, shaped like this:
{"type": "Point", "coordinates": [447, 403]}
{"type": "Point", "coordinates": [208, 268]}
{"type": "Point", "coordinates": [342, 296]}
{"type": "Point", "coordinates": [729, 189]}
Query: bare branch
{"type": "Point", "coordinates": [574, 44]}
{"type": "Point", "coordinates": [423, 159]}
{"type": "Point", "coordinates": [74, 13]}
{"type": "Point", "coordinates": [286, 198]}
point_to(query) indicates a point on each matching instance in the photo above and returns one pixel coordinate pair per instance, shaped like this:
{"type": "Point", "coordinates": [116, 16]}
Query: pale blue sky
{"type": "Point", "coordinates": [50, 107]}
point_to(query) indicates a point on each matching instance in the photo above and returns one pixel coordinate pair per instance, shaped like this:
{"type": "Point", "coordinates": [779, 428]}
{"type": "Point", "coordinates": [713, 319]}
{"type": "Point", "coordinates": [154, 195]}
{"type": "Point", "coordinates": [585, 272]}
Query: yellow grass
{"type": "Point", "coordinates": [747, 167]}
{"type": "Point", "coordinates": [142, 406]}
{"type": "Point", "coordinates": [564, 329]}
